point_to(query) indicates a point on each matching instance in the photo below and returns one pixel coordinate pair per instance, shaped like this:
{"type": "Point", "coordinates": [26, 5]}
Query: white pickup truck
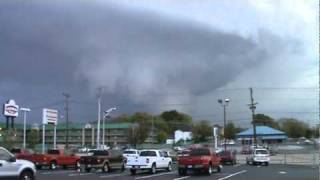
{"type": "Point", "coordinates": [149, 160]}
{"type": "Point", "coordinates": [11, 168]}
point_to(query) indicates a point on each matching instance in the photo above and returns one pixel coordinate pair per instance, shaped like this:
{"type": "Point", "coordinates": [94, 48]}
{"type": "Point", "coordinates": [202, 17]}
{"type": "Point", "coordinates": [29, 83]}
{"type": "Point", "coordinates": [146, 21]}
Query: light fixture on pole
{"type": "Point", "coordinates": [25, 110]}
{"type": "Point", "coordinates": [106, 114]}
{"type": "Point", "coordinates": [224, 103]}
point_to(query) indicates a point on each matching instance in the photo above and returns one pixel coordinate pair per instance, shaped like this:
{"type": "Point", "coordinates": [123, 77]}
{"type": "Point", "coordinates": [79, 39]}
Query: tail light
{"type": "Point", "coordinates": [147, 160]}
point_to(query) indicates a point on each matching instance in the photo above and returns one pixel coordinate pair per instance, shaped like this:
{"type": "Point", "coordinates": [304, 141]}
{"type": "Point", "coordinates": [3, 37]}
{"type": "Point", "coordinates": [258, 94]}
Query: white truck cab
{"type": "Point", "coordinates": [149, 160]}
{"type": "Point", "coordinates": [10, 167]}
{"type": "Point", "coordinates": [259, 156]}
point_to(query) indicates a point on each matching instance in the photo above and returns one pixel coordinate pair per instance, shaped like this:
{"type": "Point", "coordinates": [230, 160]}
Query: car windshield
{"type": "Point", "coordinates": [148, 153]}
{"type": "Point", "coordinates": [99, 153]}
{"type": "Point", "coordinates": [200, 152]}
{"type": "Point", "coordinates": [261, 151]}
{"type": "Point", "coordinates": [129, 152]}
{"type": "Point", "coordinates": [53, 151]}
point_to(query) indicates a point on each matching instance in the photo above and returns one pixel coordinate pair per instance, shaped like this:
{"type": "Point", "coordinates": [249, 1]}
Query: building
{"type": "Point", "coordinates": [264, 135]}
{"type": "Point", "coordinates": [116, 134]}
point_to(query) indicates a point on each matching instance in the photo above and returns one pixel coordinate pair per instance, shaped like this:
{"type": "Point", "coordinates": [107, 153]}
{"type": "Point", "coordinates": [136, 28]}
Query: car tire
{"type": "Point", "coordinates": [218, 169]}
{"type": "Point", "coordinates": [153, 169]}
{"type": "Point", "coordinates": [267, 163]}
{"type": "Point", "coordinates": [123, 167]}
{"type": "Point", "coordinates": [133, 171]}
{"type": "Point", "coordinates": [209, 170]}
{"type": "Point", "coordinates": [87, 170]}
{"type": "Point", "coordinates": [182, 172]}
{"type": "Point", "coordinates": [38, 167]}
{"type": "Point", "coordinates": [77, 166]}
{"type": "Point", "coordinates": [106, 168]}
{"type": "Point", "coordinates": [169, 168]}
{"type": "Point", "coordinates": [53, 165]}
{"type": "Point", "coordinates": [26, 175]}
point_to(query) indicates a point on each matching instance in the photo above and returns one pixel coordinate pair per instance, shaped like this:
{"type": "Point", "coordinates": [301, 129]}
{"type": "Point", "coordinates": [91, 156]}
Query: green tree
{"type": "Point", "coordinates": [177, 120]}
{"type": "Point", "coordinates": [230, 131]}
{"type": "Point", "coordinates": [33, 138]}
{"type": "Point", "coordinates": [201, 131]}
{"type": "Point", "coordinates": [261, 119]}
{"type": "Point", "coordinates": [10, 139]}
{"type": "Point", "coordinates": [162, 136]}
{"type": "Point", "coordinates": [143, 121]}
{"type": "Point", "coordinates": [294, 128]}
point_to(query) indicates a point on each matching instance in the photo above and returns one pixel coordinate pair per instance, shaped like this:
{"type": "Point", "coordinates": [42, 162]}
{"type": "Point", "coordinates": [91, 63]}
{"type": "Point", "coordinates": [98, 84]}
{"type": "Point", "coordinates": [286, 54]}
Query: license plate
{"type": "Point", "coordinates": [189, 166]}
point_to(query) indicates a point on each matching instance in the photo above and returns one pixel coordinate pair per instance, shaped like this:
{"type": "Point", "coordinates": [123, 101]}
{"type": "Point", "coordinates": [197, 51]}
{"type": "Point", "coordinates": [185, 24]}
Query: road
{"type": "Point", "coordinates": [237, 172]}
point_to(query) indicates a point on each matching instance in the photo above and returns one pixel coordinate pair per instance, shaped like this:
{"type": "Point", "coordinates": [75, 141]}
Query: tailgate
{"type": "Point", "coordinates": [137, 161]}
{"type": "Point", "coordinates": [190, 160]}
{"type": "Point", "coordinates": [88, 160]}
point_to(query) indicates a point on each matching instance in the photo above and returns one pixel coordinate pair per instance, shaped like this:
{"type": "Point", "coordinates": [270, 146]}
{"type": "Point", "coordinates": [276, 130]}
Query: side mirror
{"type": "Point", "coordinates": [12, 159]}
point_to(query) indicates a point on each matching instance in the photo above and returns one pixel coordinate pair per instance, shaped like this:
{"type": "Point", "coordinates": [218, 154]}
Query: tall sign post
{"type": "Point", "coordinates": [49, 116]}
{"type": "Point", "coordinates": [25, 110]}
{"type": "Point", "coordinates": [10, 111]}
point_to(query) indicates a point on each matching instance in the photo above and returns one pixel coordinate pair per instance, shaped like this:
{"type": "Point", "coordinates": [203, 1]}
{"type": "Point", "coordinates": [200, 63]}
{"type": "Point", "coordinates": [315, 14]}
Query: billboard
{"type": "Point", "coordinates": [11, 109]}
{"type": "Point", "coordinates": [50, 116]}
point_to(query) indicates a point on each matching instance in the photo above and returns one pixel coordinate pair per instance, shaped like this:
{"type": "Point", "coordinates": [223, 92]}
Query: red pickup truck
{"type": "Point", "coordinates": [199, 160]}
{"type": "Point", "coordinates": [54, 158]}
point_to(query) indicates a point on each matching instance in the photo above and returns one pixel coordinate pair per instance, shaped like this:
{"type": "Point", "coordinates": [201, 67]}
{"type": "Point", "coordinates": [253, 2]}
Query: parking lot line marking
{"type": "Point", "coordinates": [184, 177]}
{"type": "Point", "coordinates": [80, 174]}
{"type": "Point", "coordinates": [282, 172]}
{"type": "Point", "coordinates": [56, 172]}
{"type": "Point", "coordinates": [154, 175]}
{"type": "Point", "coordinates": [113, 175]}
{"type": "Point", "coordinates": [237, 165]}
{"type": "Point", "coordinates": [240, 172]}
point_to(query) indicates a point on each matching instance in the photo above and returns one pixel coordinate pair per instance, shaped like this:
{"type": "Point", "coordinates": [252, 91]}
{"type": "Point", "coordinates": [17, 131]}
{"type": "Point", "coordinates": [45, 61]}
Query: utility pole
{"type": "Point", "coordinates": [99, 117]}
{"type": "Point", "coordinates": [67, 96]}
{"type": "Point", "coordinates": [252, 106]}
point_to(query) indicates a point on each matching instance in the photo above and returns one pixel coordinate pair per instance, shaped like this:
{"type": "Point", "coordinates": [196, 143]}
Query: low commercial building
{"type": "Point", "coordinates": [264, 135]}
{"type": "Point", "coordinates": [80, 134]}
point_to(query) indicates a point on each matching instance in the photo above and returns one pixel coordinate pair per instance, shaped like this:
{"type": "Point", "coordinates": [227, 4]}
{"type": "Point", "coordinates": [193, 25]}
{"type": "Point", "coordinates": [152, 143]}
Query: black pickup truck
{"type": "Point", "coordinates": [106, 160]}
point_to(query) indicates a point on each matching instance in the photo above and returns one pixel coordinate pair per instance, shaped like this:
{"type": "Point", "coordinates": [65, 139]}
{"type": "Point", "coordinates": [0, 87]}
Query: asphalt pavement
{"type": "Point", "coordinates": [236, 172]}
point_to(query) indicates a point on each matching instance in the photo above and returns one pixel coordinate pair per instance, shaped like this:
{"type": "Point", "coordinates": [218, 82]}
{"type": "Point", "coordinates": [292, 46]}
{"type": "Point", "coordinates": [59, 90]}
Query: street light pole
{"type": "Point", "coordinates": [25, 110]}
{"type": "Point", "coordinates": [224, 104]}
{"type": "Point", "coordinates": [99, 116]}
{"type": "Point", "coordinates": [106, 114]}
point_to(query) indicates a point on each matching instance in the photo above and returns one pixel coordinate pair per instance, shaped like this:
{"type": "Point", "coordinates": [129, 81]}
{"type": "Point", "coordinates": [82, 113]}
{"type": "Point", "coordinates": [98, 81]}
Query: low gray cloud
{"type": "Point", "coordinates": [47, 48]}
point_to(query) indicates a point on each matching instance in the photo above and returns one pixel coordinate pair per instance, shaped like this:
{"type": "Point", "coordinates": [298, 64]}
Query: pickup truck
{"type": "Point", "coordinates": [149, 160]}
{"type": "Point", "coordinates": [106, 160]}
{"type": "Point", "coordinates": [54, 158]}
{"type": "Point", "coordinates": [199, 160]}
{"type": "Point", "coordinates": [12, 168]}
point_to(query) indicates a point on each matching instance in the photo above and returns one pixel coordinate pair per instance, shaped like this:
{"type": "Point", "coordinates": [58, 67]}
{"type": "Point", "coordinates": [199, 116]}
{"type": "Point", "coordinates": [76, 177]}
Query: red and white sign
{"type": "Point", "coordinates": [11, 109]}
{"type": "Point", "coordinates": [50, 116]}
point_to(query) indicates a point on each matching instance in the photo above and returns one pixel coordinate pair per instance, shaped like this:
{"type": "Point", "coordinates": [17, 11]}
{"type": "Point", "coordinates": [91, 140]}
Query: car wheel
{"type": "Point", "coordinates": [26, 175]}
{"type": "Point", "coordinates": [182, 172]}
{"type": "Point", "coordinates": [38, 167]}
{"type": "Point", "coordinates": [77, 165]}
{"type": "Point", "coordinates": [248, 162]}
{"type": "Point", "coordinates": [209, 170]}
{"type": "Point", "coordinates": [133, 171]}
{"type": "Point", "coordinates": [123, 168]}
{"type": "Point", "coordinates": [218, 169]}
{"type": "Point", "coordinates": [266, 163]}
{"type": "Point", "coordinates": [169, 168]}
{"type": "Point", "coordinates": [153, 169]}
{"type": "Point", "coordinates": [105, 167]}
{"type": "Point", "coordinates": [53, 165]}
{"type": "Point", "coordinates": [88, 170]}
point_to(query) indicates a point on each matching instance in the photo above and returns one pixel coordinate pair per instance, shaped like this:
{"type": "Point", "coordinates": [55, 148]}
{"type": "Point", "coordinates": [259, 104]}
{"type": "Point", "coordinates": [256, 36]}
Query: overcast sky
{"type": "Point", "coordinates": [160, 55]}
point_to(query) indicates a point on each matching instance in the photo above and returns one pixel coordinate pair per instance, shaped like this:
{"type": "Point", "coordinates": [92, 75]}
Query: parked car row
{"type": "Point", "coordinates": [193, 160]}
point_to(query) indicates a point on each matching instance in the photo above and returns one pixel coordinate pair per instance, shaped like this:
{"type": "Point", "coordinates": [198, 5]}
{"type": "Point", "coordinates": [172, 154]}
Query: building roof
{"type": "Point", "coordinates": [261, 131]}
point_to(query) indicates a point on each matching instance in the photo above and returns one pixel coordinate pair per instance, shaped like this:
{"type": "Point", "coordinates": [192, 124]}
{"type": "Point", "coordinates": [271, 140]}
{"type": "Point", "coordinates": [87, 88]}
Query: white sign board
{"type": "Point", "coordinates": [50, 116]}
{"type": "Point", "coordinates": [11, 109]}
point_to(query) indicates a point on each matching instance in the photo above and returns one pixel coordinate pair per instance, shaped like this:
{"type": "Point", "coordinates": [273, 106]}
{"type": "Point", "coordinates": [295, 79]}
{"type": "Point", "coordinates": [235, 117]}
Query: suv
{"type": "Point", "coordinates": [106, 160]}
{"type": "Point", "coordinates": [259, 156]}
{"type": "Point", "coordinates": [12, 168]}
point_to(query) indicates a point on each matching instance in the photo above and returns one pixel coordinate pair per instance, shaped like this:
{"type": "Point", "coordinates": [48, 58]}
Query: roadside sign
{"type": "Point", "coordinates": [50, 116]}
{"type": "Point", "coordinates": [11, 109]}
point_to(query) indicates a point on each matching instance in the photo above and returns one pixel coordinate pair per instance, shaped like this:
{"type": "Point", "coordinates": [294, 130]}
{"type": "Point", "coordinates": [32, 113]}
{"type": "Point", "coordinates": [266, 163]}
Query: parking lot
{"type": "Point", "coordinates": [236, 172]}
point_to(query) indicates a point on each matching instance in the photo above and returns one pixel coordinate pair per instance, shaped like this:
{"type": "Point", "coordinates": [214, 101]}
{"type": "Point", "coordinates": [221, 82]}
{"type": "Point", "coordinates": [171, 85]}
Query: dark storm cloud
{"type": "Point", "coordinates": [47, 48]}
